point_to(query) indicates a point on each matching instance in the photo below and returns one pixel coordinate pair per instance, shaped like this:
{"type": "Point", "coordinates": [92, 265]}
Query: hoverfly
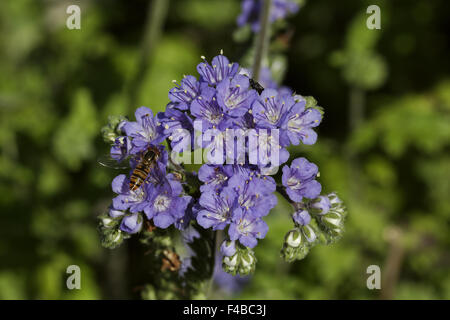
{"type": "Point", "coordinates": [146, 161]}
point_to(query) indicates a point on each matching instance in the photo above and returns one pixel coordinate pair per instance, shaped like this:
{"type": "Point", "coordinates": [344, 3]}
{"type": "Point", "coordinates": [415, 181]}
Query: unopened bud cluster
{"type": "Point", "coordinates": [331, 222]}
{"type": "Point", "coordinates": [237, 258]}
{"type": "Point", "coordinates": [111, 235]}
{"type": "Point", "coordinates": [323, 215]}
{"type": "Point", "coordinates": [113, 129]}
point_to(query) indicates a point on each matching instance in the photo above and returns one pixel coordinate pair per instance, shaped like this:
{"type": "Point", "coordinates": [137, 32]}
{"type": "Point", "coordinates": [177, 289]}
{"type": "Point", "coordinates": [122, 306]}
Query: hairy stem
{"type": "Point", "coordinates": [156, 16]}
{"type": "Point", "coordinates": [262, 41]}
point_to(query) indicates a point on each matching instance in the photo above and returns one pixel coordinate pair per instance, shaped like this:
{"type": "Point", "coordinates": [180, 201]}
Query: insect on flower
{"type": "Point", "coordinates": [255, 85]}
{"type": "Point", "coordinates": [145, 162]}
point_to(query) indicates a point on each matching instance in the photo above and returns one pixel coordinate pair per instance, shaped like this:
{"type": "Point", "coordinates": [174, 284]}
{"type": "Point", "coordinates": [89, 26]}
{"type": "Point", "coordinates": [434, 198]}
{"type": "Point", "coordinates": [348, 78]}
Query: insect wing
{"type": "Point", "coordinates": [107, 161]}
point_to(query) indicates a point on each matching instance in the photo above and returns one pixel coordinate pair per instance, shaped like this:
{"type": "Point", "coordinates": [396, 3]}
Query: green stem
{"type": "Point", "coordinates": [262, 41]}
{"type": "Point", "coordinates": [156, 16]}
{"type": "Point", "coordinates": [214, 247]}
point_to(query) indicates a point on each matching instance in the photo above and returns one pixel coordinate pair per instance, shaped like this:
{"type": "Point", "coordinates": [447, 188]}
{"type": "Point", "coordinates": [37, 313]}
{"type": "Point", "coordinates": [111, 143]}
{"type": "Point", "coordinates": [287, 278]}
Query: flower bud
{"type": "Point", "coordinates": [336, 204]}
{"type": "Point", "coordinates": [320, 205]}
{"type": "Point", "coordinates": [113, 213]}
{"type": "Point", "coordinates": [108, 222]}
{"type": "Point", "coordinates": [248, 262]}
{"type": "Point", "coordinates": [332, 219]}
{"type": "Point", "coordinates": [231, 261]}
{"type": "Point", "coordinates": [309, 233]}
{"type": "Point", "coordinates": [131, 223]}
{"type": "Point", "coordinates": [332, 223]}
{"type": "Point", "coordinates": [112, 238]}
{"type": "Point", "coordinates": [301, 217]}
{"type": "Point", "coordinates": [242, 262]}
{"type": "Point", "coordinates": [113, 129]}
{"type": "Point", "coordinates": [291, 254]}
{"type": "Point", "coordinates": [228, 248]}
{"type": "Point", "coordinates": [293, 238]}
{"type": "Point", "coordinates": [296, 244]}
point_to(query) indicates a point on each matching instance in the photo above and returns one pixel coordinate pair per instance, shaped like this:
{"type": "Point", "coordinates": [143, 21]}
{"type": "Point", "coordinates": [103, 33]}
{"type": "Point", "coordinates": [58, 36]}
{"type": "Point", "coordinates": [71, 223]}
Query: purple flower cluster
{"type": "Point", "coordinates": [251, 10]}
{"type": "Point", "coordinates": [160, 197]}
{"type": "Point", "coordinates": [234, 196]}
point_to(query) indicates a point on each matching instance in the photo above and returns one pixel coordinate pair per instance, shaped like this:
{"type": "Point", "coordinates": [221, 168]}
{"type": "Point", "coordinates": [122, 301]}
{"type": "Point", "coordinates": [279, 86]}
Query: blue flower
{"type": "Point", "coordinates": [270, 110]}
{"type": "Point", "coordinates": [190, 213]}
{"type": "Point", "coordinates": [247, 229]}
{"type": "Point", "coordinates": [299, 180]}
{"type": "Point", "coordinates": [254, 195]}
{"type": "Point", "coordinates": [251, 11]}
{"type": "Point", "coordinates": [143, 131]}
{"type": "Point", "coordinates": [121, 148]}
{"type": "Point", "coordinates": [131, 223]}
{"type": "Point", "coordinates": [217, 209]}
{"type": "Point", "coordinates": [183, 94]}
{"type": "Point", "coordinates": [299, 124]}
{"type": "Point", "coordinates": [165, 206]}
{"type": "Point", "coordinates": [235, 96]}
{"type": "Point", "coordinates": [267, 143]}
{"type": "Point", "coordinates": [220, 69]}
{"type": "Point", "coordinates": [134, 201]}
{"type": "Point", "coordinates": [206, 108]}
{"type": "Point", "coordinates": [214, 177]}
{"type": "Point", "coordinates": [178, 127]}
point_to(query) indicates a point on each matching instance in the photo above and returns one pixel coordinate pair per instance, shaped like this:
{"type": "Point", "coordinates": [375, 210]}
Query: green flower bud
{"type": "Point", "coordinates": [293, 238]}
{"type": "Point", "coordinates": [248, 262]}
{"type": "Point", "coordinates": [113, 129]}
{"type": "Point", "coordinates": [337, 205]}
{"type": "Point", "coordinates": [112, 238]}
{"type": "Point", "coordinates": [108, 222]}
{"type": "Point", "coordinates": [242, 262]}
{"type": "Point", "coordinates": [311, 102]}
{"type": "Point", "coordinates": [309, 233]}
{"type": "Point", "coordinates": [332, 224]}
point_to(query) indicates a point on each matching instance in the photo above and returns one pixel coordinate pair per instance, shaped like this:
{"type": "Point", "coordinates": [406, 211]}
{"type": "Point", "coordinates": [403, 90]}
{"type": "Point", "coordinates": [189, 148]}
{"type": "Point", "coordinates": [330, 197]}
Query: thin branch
{"type": "Point", "coordinates": [262, 41]}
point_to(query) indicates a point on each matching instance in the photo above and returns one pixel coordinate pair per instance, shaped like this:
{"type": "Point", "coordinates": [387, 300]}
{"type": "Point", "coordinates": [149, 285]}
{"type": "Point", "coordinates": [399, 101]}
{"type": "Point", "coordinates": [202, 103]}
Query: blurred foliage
{"type": "Point", "coordinates": [58, 87]}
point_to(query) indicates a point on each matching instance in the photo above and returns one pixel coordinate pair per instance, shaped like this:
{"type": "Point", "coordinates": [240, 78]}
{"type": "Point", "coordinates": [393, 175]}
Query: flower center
{"type": "Point", "coordinates": [162, 203]}
{"type": "Point", "coordinates": [294, 183]}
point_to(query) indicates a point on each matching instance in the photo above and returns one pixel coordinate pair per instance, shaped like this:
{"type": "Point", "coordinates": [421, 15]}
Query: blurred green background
{"type": "Point", "coordinates": [383, 144]}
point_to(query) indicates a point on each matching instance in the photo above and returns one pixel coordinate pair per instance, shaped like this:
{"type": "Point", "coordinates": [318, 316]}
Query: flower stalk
{"type": "Point", "coordinates": [262, 40]}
